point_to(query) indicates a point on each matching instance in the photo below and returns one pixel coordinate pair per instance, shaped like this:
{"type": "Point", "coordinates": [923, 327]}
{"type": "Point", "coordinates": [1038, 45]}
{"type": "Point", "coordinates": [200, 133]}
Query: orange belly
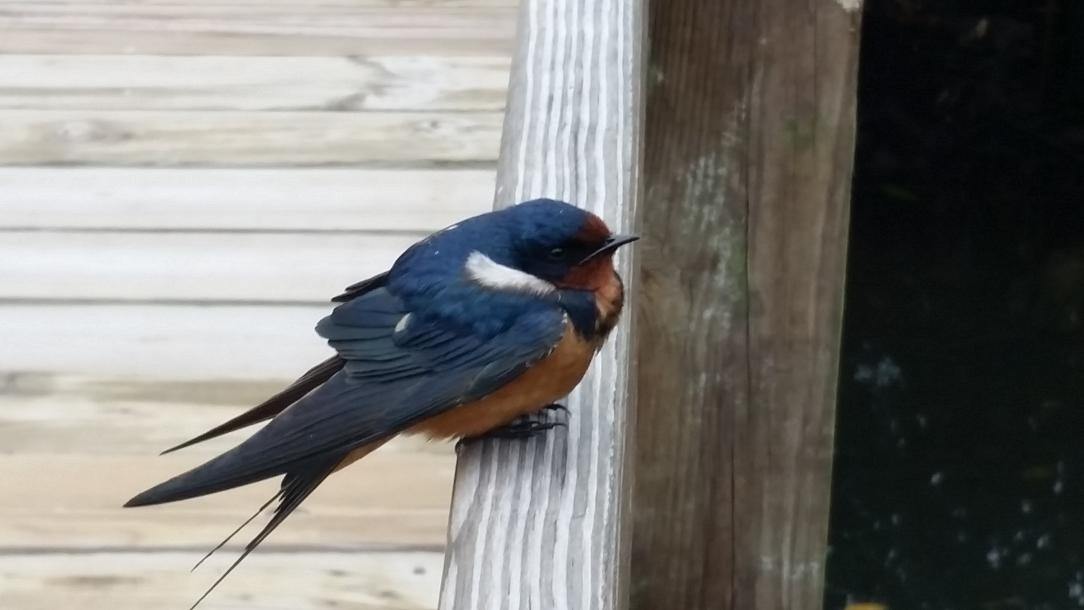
{"type": "Point", "coordinates": [549, 379]}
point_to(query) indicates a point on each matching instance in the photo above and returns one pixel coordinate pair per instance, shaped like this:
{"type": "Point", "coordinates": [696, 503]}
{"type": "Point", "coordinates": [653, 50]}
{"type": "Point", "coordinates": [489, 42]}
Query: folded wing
{"type": "Point", "coordinates": [399, 368]}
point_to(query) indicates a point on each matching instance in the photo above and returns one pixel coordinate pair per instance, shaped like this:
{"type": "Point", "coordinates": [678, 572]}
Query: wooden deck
{"type": "Point", "coordinates": [183, 185]}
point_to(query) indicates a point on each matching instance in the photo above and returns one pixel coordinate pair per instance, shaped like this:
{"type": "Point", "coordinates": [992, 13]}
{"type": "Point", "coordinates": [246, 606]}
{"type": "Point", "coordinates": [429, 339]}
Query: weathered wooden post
{"type": "Point", "coordinates": [541, 524]}
{"type": "Point", "coordinates": [748, 154]}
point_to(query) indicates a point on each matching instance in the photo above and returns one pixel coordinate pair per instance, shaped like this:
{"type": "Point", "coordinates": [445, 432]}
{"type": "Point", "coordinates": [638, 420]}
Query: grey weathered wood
{"type": "Point", "coordinates": [247, 27]}
{"type": "Point", "coordinates": [252, 83]}
{"type": "Point", "coordinates": [397, 500]}
{"type": "Point", "coordinates": [541, 523]}
{"type": "Point", "coordinates": [212, 267]}
{"type": "Point", "coordinates": [259, 199]}
{"type": "Point", "coordinates": [253, 98]}
{"type": "Point", "coordinates": [161, 341]}
{"type": "Point", "coordinates": [298, 580]}
{"type": "Point", "coordinates": [236, 138]}
{"type": "Point", "coordinates": [749, 145]}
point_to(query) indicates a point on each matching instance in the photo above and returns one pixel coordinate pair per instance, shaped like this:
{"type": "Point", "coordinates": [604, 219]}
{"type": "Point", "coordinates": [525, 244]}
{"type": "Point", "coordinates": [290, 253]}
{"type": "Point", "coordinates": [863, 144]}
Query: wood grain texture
{"type": "Point", "coordinates": [187, 137]}
{"type": "Point", "coordinates": [278, 4]}
{"type": "Point", "coordinates": [49, 413]}
{"type": "Point", "coordinates": [387, 499]}
{"type": "Point", "coordinates": [540, 523]}
{"type": "Point", "coordinates": [396, 497]}
{"type": "Point", "coordinates": [749, 140]}
{"type": "Point", "coordinates": [207, 139]}
{"type": "Point", "coordinates": [336, 84]}
{"type": "Point", "coordinates": [188, 341]}
{"type": "Point", "coordinates": [321, 27]}
{"type": "Point", "coordinates": [269, 581]}
{"type": "Point", "coordinates": [243, 200]}
{"type": "Point", "coordinates": [202, 266]}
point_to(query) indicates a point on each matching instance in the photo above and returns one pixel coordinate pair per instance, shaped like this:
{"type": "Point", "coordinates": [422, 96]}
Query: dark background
{"type": "Point", "coordinates": [959, 469]}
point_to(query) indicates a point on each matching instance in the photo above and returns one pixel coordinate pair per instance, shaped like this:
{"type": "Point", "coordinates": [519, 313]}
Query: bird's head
{"type": "Point", "coordinates": [538, 246]}
{"type": "Point", "coordinates": [540, 251]}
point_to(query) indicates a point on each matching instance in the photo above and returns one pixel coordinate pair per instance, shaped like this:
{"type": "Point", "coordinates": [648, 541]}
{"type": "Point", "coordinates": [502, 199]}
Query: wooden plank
{"type": "Point", "coordinates": [291, 4]}
{"type": "Point", "coordinates": [397, 496]}
{"type": "Point", "coordinates": [294, 4]}
{"type": "Point", "coordinates": [156, 342]}
{"type": "Point", "coordinates": [110, 39]}
{"type": "Point", "coordinates": [267, 580]}
{"type": "Point", "coordinates": [142, 82]}
{"type": "Point", "coordinates": [393, 498]}
{"type": "Point", "coordinates": [749, 143]}
{"type": "Point", "coordinates": [244, 199]}
{"type": "Point", "coordinates": [540, 523]}
{"type": "Point", "coordinates": [205, 266]}
{"type": "Point", "coordinates": [50, 414]}
{"type": "Point", "coordinates": [192, 138]}
{"type": "Point", "coordinates": [255, 28]}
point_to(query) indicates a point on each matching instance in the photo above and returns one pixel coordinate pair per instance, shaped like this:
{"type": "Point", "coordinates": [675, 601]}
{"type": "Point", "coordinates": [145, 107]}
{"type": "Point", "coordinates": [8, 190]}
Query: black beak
{"type": "Point", "coordinates": [613, 242]}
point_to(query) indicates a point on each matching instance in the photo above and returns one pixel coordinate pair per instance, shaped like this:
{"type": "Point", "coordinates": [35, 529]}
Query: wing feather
{"type": "Point", "coordinates": [391, 371]}
{"type": "Point", "coordinates": [390, 380]}
{"type": "Point", "coordinates": [272, 406]}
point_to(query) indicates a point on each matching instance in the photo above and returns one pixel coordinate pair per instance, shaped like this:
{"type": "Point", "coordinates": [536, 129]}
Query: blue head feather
{"type": "Point", "coordinates": [430, 275]}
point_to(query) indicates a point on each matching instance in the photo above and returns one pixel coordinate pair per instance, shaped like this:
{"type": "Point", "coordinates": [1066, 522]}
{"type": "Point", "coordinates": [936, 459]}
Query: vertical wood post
{"type": "Point", "coordinates": [540, 524]}
{"type": "Point", "coordinates": [749, 148]}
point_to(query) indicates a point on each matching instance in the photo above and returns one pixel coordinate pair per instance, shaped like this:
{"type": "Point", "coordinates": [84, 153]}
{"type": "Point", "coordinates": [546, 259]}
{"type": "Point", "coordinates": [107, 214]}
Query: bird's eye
{"type": "Point", "coordinates": [557, 254]}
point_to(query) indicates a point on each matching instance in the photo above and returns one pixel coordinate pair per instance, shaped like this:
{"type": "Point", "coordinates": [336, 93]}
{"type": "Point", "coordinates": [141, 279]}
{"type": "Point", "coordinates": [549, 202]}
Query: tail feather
{"type": "Point", "coordinates": [225, 540]}
{"type": "Point", "coordinates": [219, 474]}
{"type": "Point", "coordinates": [265, 454]}
{"type": "Point", "coordinates": [296, 486]}
{"type": "Point", "coordinates": [272, 406]}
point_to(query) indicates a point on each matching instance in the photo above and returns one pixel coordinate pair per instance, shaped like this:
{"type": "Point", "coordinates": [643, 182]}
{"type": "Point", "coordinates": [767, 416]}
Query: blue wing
{"type": "Point", "coordinates": [400, 368]}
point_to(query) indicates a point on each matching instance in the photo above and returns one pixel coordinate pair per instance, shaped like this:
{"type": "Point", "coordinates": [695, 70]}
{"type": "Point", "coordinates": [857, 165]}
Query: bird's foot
{"type": "Point", "coordinates": [526, 426]}
{"type": "Point", "coordinates": [533, 424]}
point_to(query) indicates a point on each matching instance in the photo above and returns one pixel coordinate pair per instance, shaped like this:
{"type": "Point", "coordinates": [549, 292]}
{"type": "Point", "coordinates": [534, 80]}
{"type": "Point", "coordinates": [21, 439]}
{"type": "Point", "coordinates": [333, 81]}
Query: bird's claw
{"type": "Point", "coordinates": [524, 427]}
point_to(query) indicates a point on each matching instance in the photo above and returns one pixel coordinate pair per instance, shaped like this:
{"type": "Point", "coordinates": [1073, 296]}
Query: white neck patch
{"type": "Point", "coordinates": [492, 274]}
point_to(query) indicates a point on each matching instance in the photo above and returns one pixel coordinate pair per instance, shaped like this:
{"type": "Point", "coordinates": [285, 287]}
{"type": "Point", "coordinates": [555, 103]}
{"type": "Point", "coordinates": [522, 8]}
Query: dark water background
{"type": "Point", "coordinates": [959, 473]}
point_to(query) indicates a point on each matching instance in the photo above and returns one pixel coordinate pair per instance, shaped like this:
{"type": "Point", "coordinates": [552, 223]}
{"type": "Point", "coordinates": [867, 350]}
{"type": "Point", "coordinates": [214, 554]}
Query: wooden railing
{"type": "Point", "coordinates": [541, 524]}
{"type": "Point", "coordinates": [745, 116]}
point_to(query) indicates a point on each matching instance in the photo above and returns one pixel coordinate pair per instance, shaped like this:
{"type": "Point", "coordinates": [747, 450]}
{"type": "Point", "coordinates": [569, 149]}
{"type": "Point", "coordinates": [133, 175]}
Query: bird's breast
{"type": "Point", "coordinates": [547, 380]}
{"type": "Point", "coordinates": [610, 300]}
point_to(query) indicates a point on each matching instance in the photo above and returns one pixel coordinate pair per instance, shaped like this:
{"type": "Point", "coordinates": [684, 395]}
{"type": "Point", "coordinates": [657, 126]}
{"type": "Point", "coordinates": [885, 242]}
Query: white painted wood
{"type": "Point", "coordinates": [289, 267]}
{"type": "Point", "coordinates": [193, 138]}
{"type": "Point", "coordinates": [541, 523]}
{"type": "Point", "coordinates": [267, 581]}
{"type": "Point", "coordinates": [155, 82]}
{"type": "Point", "coordinates": [241, 199]}
{"type": "Point", "coordinates": [279, 28]}
{"type": "Point", "coordinates": [162, 341]}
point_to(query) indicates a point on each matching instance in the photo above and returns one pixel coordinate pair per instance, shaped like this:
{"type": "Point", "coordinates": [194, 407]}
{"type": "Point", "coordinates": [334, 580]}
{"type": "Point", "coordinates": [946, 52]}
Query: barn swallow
{"type": "Point", "coordinates": [473, 330]}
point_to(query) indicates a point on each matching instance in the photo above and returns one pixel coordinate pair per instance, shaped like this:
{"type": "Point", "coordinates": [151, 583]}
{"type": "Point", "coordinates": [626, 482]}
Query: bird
{"type": "Point", "coordinates": [474, 331]}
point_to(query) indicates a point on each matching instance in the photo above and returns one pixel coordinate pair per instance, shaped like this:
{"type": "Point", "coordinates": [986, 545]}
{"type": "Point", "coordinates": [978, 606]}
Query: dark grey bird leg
{"type": "Point", "coordinates": [526, 426]}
